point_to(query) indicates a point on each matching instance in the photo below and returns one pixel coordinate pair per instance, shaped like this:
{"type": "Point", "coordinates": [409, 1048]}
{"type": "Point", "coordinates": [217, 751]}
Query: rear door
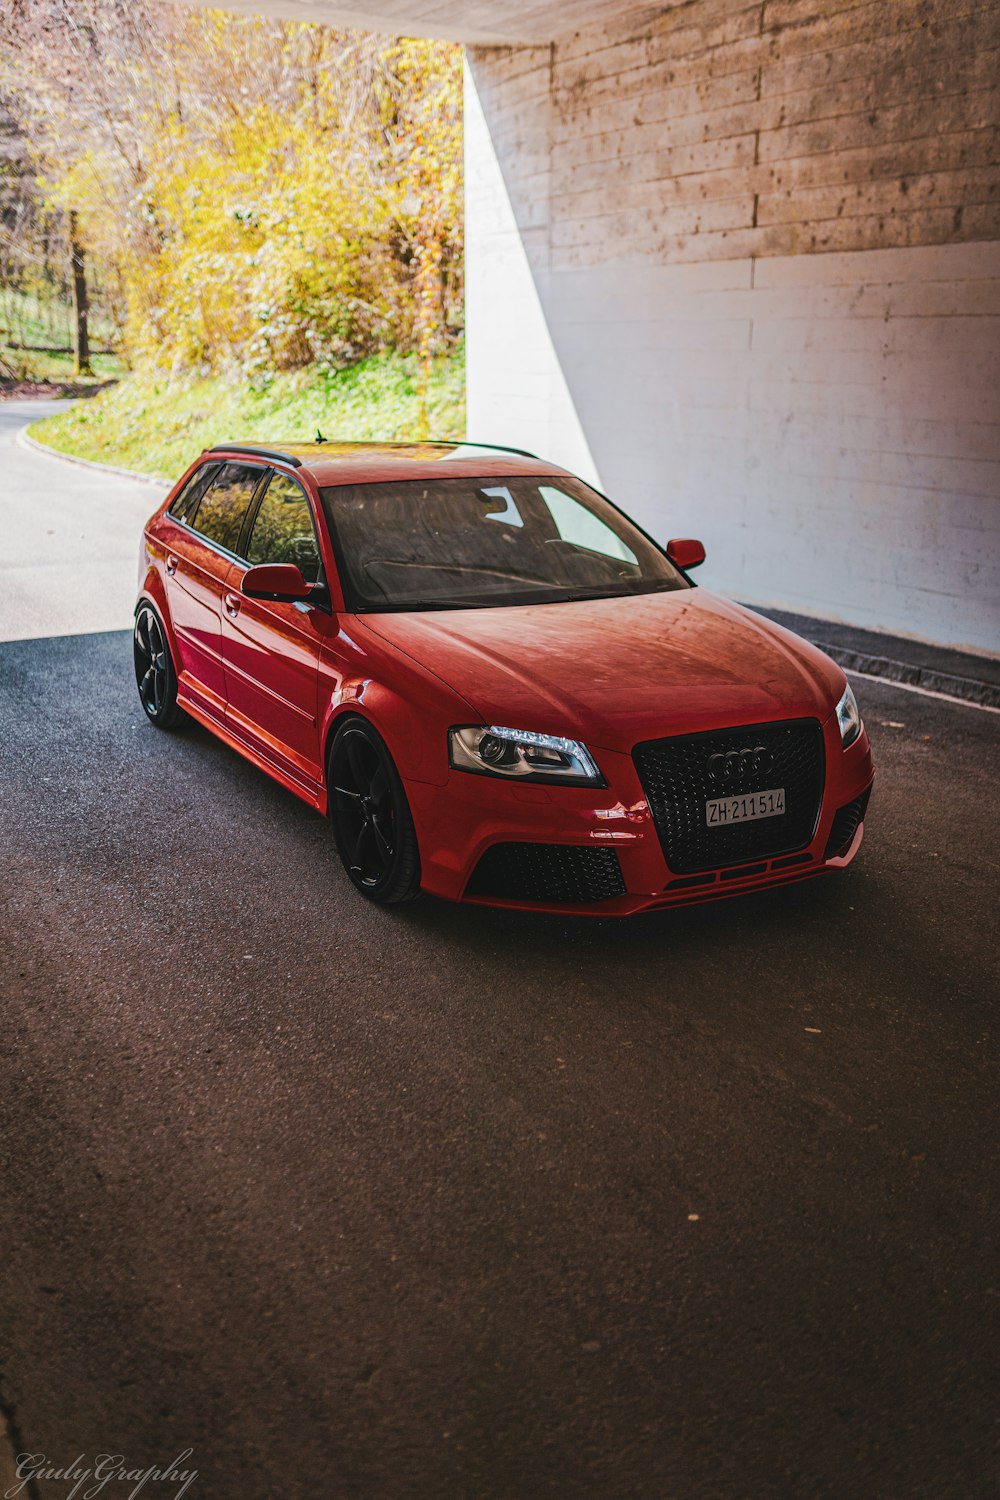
{"type": "Point", "coordinates": [272, 650]}
{"type": "Point", "coordinates": [200, 551]}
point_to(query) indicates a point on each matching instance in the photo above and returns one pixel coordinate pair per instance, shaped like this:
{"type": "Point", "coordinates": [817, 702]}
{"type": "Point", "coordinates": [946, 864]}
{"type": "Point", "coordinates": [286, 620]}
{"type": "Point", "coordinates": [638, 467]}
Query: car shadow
{"type": "Point", "coordinates": [737, 918]}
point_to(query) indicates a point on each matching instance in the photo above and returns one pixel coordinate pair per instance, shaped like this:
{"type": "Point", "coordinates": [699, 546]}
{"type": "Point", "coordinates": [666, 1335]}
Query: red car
{"type": "Point", "coordinates": [495, 684]}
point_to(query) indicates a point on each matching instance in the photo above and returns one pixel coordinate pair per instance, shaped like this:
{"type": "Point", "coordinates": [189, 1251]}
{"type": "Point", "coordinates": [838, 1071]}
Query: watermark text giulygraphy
{"type": "Point", "coordinates": [90, 1478]}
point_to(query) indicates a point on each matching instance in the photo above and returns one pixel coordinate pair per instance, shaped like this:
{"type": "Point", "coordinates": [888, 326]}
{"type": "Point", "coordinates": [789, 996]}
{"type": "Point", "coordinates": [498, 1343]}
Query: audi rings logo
{"type": "Point", "coordinates": [734, 766]}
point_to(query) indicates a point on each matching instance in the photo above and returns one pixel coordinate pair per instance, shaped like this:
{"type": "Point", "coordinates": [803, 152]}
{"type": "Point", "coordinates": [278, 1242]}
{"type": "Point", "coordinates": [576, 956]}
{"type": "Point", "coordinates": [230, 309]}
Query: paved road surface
{"type": "Point", "coordinates": [69, 544]}
{"type": "Point", "coordinates": [460, 1204]}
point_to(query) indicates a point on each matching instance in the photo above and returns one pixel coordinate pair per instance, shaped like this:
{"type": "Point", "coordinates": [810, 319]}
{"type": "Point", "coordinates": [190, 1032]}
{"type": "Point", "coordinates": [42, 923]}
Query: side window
{"type": "Point", "coordinates": [224, 506]}
{"type": "Point", "coordinates": [283, 530]}
{"type": "Point", "coordinates": [581, 528]}
{"type": "Point", "coordinates": [184, 505]}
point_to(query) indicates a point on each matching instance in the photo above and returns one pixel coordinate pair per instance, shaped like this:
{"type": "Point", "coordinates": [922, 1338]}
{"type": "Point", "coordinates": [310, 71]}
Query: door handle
{"type": "Point", "coordinates": [232, 603]}
{"type": "Point", "coordinates": [171, 564]}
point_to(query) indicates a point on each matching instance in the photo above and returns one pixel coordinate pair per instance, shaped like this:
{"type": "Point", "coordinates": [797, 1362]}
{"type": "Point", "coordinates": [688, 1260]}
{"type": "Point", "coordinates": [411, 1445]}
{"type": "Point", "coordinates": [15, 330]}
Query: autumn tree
{"type": "Point", "coordinates": [260, 194]}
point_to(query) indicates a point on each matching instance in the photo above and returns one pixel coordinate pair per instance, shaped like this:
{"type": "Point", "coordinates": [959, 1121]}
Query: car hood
{"type": "Point", "coordinates": [614, 672]}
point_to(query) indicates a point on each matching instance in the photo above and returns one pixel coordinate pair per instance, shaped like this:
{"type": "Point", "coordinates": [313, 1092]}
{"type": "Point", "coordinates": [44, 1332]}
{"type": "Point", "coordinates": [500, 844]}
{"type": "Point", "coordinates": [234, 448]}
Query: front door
{"type": "Point", "coordinates": [272, 650]}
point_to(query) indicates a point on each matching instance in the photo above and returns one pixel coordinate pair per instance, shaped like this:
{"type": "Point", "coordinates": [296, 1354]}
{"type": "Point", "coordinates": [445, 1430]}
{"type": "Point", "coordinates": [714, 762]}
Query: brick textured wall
{"type": "Point", "coordinates": [716, 129]}
{"type": "Point", "coordinates": [743, 262]}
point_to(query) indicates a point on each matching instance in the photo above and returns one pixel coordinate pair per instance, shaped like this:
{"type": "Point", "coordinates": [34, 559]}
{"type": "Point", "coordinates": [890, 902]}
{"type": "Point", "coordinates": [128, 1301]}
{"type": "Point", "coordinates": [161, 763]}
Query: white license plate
{"type": "Point", "coordinates": [722, 811]}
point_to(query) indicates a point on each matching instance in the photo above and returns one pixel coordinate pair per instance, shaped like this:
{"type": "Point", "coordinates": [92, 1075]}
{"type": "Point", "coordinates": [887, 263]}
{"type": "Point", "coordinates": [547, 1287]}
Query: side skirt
{"type": "Point", "coordinates": [314, 796]}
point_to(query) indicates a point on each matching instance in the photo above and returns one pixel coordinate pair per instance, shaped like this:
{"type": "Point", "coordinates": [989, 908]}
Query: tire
{"type": "Point", "coordinates": [371, 818]}
{"type": "Point", "coordinates": [155, 676]}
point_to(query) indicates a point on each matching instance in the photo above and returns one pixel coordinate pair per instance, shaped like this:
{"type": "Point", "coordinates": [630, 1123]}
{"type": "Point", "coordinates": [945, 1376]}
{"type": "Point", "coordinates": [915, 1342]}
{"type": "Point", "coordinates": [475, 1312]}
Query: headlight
{"type": "Point", "coordinates": [849, 718]}
{"type": "Point", "coordinates": [522, 754]}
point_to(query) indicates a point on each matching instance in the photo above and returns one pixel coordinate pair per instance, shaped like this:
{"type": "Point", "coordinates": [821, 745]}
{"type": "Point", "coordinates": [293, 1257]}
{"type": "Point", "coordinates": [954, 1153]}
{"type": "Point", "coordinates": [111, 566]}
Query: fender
{"type": "Point", "coordinates": [151, 591]}
{"type": "Point", "coordinates": [417, 740]}
{"type": "Point", "coordinates": [151, 585]}
{"type": "Point", "coordinates": [411, 708]}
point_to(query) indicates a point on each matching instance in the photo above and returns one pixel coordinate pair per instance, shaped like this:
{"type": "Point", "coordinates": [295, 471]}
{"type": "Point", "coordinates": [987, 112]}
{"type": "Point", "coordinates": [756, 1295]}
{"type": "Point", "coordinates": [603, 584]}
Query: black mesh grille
{"type": "Point", "coordinates": [678, 781]}
{"type": "Point", "coordinates": [845, 825]}
{"type": "Point", "coordinates": [547, 872]}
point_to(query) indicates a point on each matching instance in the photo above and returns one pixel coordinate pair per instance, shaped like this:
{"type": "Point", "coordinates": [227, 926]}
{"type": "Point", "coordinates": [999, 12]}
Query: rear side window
{"type": "Point", "coordinates": [283, 529]}
{"type": "Point", "coordinates": [580, 527]}
{"type": "Point", "coordinates": [224, 505]}
{"type": "Point", "coordinates": [184, 505]}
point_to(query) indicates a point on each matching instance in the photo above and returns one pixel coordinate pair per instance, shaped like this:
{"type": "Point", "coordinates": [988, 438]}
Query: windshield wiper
{"type": "Point", "coordinates": [413, 606]}
{"type": "Point", "coordinates": [612, 593]}
{"type": "Point", "coordinates": [548, 596]}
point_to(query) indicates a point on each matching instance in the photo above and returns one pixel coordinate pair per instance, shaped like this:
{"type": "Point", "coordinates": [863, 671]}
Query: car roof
{"type": "Point", "coordinates": [332, 463]}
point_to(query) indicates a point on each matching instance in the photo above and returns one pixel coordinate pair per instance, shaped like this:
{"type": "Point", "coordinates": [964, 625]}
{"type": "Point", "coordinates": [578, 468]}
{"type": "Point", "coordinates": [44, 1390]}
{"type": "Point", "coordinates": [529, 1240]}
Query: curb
{"type": "Point", "coordinates": [27, 441]}
{"type": "Point", "coordinates": [969, 689]}
{"type": "Point", "coordinates": [859, 656]}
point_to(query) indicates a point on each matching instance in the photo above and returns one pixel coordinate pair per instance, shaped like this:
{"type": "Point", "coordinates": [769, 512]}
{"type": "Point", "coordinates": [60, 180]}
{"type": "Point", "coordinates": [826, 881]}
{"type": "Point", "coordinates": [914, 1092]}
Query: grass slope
{"type": "Point", "coordinates": [157, 426]}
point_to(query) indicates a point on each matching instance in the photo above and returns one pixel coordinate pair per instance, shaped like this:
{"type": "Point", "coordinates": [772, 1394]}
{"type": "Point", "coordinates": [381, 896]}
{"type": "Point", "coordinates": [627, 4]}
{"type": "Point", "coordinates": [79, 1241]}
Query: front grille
{"type": "Point", "coordinates": [845, 825]}
{"type": "Point", "coordinates": [677, 781]}
{"type": "Point", "coordinates": [547, 872]}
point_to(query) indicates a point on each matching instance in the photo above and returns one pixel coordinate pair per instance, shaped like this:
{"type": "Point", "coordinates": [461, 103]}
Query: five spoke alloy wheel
{"type": "Point", "coordinates": [371, 818]}
{"type": "Point", "coordinates": [154, 669]}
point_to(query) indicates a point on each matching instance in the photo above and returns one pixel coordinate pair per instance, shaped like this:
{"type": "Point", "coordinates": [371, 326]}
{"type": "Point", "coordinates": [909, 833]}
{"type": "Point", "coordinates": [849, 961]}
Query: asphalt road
{"type": "Point", "coordinates": [460, 1204]}
{"type": "Point", "coordinates": [69, 537]}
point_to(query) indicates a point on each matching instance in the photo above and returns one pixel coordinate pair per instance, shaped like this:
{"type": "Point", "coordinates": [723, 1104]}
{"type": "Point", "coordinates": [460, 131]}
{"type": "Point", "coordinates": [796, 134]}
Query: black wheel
{"type": "Point", "coordinates": [154, 669]}
{"type": "Point", "coordinates": [371, 819]}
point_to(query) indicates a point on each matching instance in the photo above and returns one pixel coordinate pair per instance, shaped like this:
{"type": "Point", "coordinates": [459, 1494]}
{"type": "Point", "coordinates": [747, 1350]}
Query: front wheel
{"type": "Point", "coordinates": [154, 669]}
{"type": "Point", "coordinates": [371, 818]}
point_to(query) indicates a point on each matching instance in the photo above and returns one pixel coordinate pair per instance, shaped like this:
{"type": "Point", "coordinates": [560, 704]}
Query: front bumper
{"type": "Point", "coordinates": [458, 822]}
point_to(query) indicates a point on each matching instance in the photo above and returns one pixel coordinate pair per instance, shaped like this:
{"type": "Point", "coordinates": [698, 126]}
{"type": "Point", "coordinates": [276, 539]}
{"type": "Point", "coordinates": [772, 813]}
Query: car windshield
{"type": "Point", "coordinates": [475, 543]}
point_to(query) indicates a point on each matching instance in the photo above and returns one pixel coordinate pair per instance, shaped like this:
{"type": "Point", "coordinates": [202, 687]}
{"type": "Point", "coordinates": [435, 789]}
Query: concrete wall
{"type": "Point", "coordinates": [742, 263]}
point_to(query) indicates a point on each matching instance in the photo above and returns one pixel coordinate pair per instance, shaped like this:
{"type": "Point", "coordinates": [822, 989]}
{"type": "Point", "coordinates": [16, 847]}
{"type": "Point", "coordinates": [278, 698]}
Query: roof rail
{"type": "Point", "coordinates": [275, 453]}
{"type": "Point", "coordinates": [497, 448]}
{"type": "Point", "coordinates": [296, 463]}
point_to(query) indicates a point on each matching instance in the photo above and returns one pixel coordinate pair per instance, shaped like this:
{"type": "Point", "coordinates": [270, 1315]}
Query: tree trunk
{"type": "Point", "coordinates": [81, 338]}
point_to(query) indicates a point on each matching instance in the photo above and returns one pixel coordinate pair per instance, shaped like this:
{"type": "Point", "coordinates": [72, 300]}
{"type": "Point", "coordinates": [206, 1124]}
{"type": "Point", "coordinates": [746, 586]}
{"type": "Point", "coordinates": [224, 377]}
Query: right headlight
{"type": "Point", "coordinates": [849, 718]}
{"type": "Point", "coordinates": [522, 754]}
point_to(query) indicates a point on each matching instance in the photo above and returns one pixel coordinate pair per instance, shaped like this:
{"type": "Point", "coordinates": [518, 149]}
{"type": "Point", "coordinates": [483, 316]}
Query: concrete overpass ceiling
{"type": "Point", "coordinates": [502, 23]}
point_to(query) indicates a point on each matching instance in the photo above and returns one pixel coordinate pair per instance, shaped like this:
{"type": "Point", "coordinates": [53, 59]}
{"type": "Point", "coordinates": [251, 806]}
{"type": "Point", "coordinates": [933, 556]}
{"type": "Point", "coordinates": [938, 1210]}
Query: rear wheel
{"type": "Point", "coordinates": [371, 818]}
{"type": "Point", "coordinates": [154, 669]}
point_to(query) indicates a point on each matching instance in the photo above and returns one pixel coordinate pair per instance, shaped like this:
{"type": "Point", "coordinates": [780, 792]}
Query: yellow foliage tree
{"type": "Point", "coordinates": [266, 194]}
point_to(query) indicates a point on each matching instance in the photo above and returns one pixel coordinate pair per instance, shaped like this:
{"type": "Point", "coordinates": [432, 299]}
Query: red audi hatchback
{"type": "Point", "coordinates": [493, 682]}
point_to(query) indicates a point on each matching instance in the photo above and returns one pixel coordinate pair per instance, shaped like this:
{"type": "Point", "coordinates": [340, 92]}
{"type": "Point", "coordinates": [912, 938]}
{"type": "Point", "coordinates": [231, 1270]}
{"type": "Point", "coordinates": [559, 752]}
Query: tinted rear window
{"type": "Point", "coordinates": [224, 505]}
{"type": "Point", "coordinates": [184, 505]}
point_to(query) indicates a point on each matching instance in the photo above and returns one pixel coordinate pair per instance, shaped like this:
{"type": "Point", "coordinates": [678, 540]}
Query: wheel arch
{"type": "Point", "coordinates": [409, 736]}
{"type": "Point", "coordinates": [153, 592]}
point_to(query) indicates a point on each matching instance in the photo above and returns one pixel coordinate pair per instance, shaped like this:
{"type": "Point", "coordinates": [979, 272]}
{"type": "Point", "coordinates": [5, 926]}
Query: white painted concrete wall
{"type": "Point", "coordinates": [747, 271]}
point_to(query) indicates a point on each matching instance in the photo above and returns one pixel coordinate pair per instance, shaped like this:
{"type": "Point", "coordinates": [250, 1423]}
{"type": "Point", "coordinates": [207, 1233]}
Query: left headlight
{"type": "Point", "coordinates": [849, 718]}
{"type": "Point", "coordinates": [522, 754]}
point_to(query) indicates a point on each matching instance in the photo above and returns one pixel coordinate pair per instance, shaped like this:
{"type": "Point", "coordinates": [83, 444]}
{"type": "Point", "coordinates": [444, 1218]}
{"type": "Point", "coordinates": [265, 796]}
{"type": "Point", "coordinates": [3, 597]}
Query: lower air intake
{"type": "Point", "coordinates": [547, 872]}
{"type": "Point", "coordinates": [845, 826]}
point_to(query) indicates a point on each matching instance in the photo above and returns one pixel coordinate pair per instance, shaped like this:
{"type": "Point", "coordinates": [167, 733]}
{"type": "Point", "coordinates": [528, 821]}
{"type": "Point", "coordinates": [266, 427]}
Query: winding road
{"type": "Point", "coordinates": [460, 1204]}
{"type": "Point", "coordinates": [70, 537]}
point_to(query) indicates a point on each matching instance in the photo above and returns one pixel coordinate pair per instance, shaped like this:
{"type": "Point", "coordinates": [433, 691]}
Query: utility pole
{"type": "Point", "coordinates": [81, 339]}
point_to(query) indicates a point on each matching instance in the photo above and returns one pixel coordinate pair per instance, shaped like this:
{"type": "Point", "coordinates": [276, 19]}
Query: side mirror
{"type": "Point", "coordinates": [279, 581]}
{"type": "Point", "coordinates": [684, 552]}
